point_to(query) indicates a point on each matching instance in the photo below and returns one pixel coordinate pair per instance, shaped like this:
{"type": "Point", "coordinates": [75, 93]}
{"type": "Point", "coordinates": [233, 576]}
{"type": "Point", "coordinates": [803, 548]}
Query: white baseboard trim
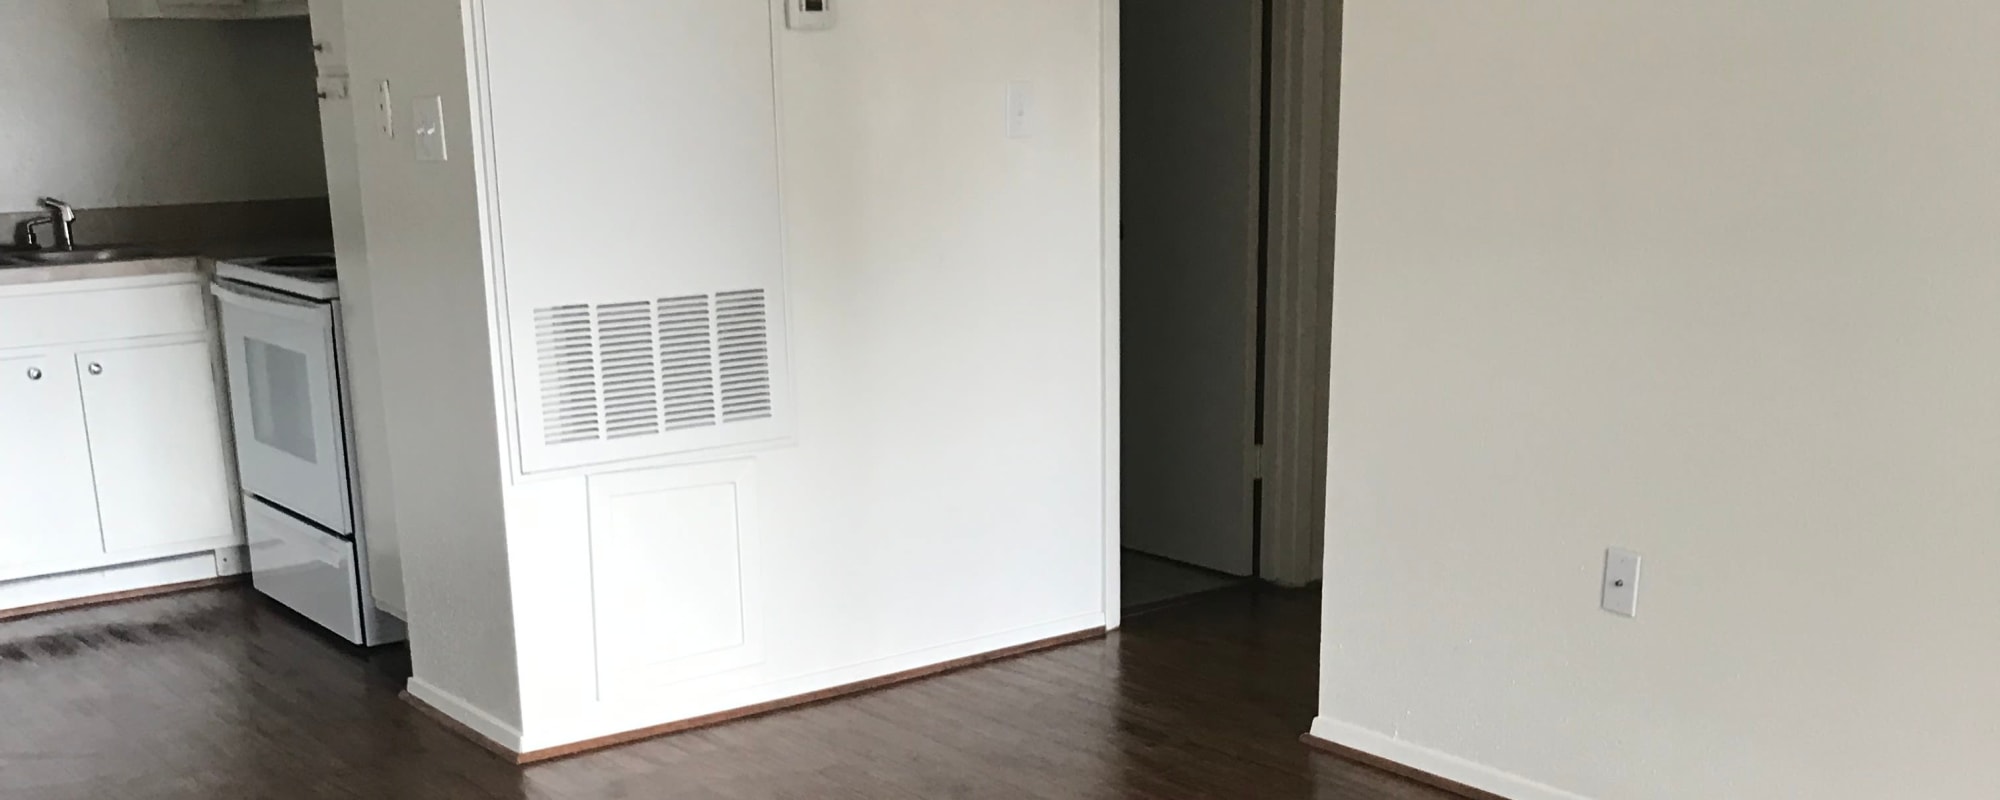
{"type": "Point", "coordinates": [583, 722]}
{"type": "Point", "coordinates": [1443, 765]}
{"type": "Point", "coordinates": [86, 585]}
{"type": "Point", "coordinates": [466, 714]}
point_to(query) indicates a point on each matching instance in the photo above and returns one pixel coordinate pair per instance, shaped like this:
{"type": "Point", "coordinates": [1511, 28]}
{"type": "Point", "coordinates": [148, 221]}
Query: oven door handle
{"type": "Point", "coordinates": [270, 302]}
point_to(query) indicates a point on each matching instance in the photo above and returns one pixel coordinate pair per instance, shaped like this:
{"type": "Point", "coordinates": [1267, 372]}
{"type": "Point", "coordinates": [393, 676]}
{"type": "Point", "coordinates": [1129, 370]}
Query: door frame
{"type": "Point", "coordinates": [1299, 190]}
{"type": "Point", "coordinates": [1304, 139]}
{"type": "Point", "coordinates": [1108, 237]}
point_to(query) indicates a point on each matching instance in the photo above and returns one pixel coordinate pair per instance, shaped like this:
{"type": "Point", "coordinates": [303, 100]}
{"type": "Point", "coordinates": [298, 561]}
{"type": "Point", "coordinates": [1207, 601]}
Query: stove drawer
{"type": "Point", "coordinates": [306, 568]}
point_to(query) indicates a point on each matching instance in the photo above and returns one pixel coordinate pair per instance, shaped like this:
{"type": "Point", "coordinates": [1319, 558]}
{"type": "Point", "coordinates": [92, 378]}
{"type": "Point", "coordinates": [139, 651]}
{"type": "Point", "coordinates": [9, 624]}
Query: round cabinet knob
{"type": "Point", "coordinates": [97, 369]}
{"type": "Point", "coordinates": [34, 373]}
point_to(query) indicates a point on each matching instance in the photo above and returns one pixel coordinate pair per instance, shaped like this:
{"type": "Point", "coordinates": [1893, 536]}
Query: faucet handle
{"type": "Point", "coordinates": [24, 234]}
{"type": "Point", "coordinates": [61, 209]}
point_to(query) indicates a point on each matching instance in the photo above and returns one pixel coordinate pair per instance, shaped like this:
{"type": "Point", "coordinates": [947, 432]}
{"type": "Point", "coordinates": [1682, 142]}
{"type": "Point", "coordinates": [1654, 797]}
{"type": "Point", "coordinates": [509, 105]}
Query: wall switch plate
{"type": "Point", "coordinates": [1621, 582]}
{"type": "Point", "coordinates": [1020, 110]}
{"type": "Point", "coordinates": [427, 117]}
{"type": "Point", "coordinates": [809, 15]}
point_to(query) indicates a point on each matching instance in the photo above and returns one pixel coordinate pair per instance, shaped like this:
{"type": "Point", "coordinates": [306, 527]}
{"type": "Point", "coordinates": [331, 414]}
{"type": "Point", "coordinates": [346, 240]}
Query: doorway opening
{"type": "Point", "coordinates": [1223, 119]}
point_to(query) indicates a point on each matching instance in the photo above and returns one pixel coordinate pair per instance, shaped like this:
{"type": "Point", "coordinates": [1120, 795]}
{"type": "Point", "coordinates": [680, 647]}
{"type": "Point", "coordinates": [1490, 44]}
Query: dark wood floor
{"type": "Point", "coordinates": [1149, 582]}
{"type": "Point", "coordinates": [216, 694]}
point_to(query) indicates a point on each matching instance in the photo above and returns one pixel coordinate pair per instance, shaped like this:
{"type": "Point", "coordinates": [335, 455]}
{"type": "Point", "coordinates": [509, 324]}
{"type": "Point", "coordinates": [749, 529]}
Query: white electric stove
{"type": "Point", "coordinates": [284, 348]}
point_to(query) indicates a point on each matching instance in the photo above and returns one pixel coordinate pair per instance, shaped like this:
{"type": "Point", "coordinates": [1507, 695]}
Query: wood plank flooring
{"type": "Point", "coordinates": [219, 694]}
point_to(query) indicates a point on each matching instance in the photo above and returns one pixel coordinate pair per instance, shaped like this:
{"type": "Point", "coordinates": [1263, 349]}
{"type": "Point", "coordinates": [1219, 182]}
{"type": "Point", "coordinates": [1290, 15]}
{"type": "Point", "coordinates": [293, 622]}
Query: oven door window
{"type": "Point", "coordinates": [284, 397]}
{"type": "Point", "coordinates": [281, 407]}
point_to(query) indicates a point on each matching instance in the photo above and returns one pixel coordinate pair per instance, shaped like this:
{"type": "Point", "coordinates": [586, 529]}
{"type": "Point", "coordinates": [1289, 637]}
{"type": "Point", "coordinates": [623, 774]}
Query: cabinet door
{"type": "Point", "coordinates": [48, 512]}
{"type": "Point", "coordinates": [156, 444]}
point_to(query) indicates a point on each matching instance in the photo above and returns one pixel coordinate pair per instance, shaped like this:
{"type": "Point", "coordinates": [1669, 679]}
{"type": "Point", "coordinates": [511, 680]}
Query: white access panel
{"type": "Point", "coordinates": [674, 565]}
{"type": "Point", "coordinates": [638, 226]}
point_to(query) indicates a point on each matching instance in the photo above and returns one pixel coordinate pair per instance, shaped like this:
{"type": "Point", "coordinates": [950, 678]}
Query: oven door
{"type": "Point", "coordinates": [284, 390]}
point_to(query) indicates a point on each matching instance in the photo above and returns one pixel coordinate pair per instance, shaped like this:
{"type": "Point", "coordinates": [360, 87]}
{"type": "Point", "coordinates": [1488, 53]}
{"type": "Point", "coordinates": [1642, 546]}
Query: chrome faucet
{"type": "Point", "coordinates": [62, 225]}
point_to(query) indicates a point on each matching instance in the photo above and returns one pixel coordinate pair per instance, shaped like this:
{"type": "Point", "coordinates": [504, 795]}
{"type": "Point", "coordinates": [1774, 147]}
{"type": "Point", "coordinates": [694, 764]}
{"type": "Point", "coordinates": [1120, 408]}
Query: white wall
{"type": "Point", "coordinates": [1712, 280]}
{"type": "Point", "coordinates": [341, 123]}
{"type": "Point", "coordinates": [427, 278]}
{"type": "Point", "coordinates": [944, 495]}
{"type": "Point", "coordinates": [104, 113]}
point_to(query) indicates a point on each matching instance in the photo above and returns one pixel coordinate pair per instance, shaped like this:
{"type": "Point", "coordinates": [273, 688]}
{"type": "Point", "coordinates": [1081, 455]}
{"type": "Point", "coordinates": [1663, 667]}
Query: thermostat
{"type": "Point", "coordinates": [809, 15]}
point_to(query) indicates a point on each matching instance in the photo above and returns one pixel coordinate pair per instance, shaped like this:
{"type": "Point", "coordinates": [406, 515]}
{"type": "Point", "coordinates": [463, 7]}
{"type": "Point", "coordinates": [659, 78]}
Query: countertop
{"type": "Point", "coordinates": [173, 260]}
{"type": "Point", "coordinates": [15, 276]}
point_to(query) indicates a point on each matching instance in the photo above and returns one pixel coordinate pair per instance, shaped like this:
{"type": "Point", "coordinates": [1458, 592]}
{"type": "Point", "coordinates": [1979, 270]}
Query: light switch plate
{"type": "Point", "coordinates": [427, 117]}
{"type": "Point", "coordinates": [1621, 582]}
{"type": "Point", "coordinates": [809, 15]}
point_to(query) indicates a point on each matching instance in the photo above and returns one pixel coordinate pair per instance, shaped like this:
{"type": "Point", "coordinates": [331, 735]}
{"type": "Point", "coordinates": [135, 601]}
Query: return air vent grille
{"type": "Point", "coordinates": [745, 349]}
{"type": "Point", "coordinates": [631, 385]}
{"type": "Point", "coordinates": [687, 362]}
{"type": "Point", "coordinates": [568, 364]}
{"type": "Point", "coordinates": [654, 368]}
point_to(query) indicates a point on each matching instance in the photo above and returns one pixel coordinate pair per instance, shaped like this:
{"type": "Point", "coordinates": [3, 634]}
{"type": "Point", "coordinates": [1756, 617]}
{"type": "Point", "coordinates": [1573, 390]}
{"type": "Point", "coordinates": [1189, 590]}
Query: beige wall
{"type": "Point", "coordinates": [139, 113]}
{"type": "Point", "coordinates": [1716, 281]}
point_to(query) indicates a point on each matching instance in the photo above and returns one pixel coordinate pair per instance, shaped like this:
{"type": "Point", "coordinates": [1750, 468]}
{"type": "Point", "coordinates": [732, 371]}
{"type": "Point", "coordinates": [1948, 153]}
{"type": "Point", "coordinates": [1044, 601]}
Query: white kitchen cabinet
{"type": "Point", "coordinates": [48, 507]}
{"type": "Point", "coordinates": [156, 445]}
{"type": "Point", "coordinates": [206, 9]}
{"type": "Point", "coordinates": [113, 451]}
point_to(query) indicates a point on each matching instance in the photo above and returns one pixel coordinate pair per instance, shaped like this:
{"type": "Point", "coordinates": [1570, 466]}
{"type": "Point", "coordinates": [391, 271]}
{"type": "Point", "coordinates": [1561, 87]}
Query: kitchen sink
{"type": "Point", "coordinates": [88, 255]}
